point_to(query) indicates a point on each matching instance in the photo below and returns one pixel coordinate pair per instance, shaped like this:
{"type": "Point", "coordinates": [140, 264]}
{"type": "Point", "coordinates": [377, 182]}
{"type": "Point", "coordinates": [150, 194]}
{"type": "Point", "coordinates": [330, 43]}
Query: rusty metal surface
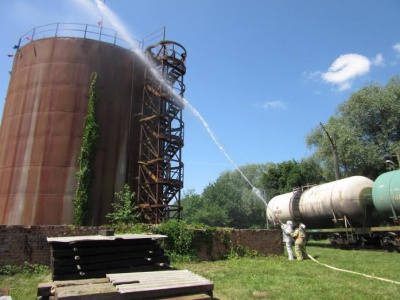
{"type": "Point", "coordinates": [161, 134]}
{"type": "Point", "coordinates": [42, 127]}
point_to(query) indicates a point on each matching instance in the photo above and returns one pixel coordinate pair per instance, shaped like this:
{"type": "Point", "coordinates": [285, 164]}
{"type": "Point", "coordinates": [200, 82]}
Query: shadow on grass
{"type": "Point", "coordinates": [319, 245]}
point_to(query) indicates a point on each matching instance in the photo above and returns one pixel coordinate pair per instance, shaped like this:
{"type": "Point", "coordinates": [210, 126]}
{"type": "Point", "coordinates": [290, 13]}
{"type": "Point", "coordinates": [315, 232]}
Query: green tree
{"type": "Point", "coordinates": [191, 204]}
{"type": "Point", "coordinates": [367, 132]}
{"type": "Point", "coordinates": [282, 177]}
{"type": "Point", "coordinates": [229, 201]}
{"type": "Point", "coordinates": [197, 209]}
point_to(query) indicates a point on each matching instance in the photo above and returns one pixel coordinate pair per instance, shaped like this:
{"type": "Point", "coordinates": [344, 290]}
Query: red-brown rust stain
{"type": "Point", "coordinates": [42, 128]}
{"type": "Point", "coordinates": [14, 147]}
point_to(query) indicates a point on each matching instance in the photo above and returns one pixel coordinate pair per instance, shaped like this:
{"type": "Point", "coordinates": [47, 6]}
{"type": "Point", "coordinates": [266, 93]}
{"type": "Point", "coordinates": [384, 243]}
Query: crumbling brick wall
{"type": "Point", "coordinates": [264, 242]}
{"type": "Point", "coordinates": [19, 244]}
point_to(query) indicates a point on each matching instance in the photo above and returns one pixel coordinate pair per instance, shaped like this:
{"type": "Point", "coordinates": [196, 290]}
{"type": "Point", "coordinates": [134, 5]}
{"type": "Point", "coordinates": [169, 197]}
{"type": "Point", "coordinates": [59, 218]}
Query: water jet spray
{"type": "Point", "coordinates": [118, 26]}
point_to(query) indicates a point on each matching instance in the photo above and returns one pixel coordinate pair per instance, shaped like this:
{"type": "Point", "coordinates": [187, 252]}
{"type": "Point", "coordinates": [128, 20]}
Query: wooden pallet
{"type": "Point", "coordinates": [173, 284]}
{"type": "Point", "coordinates": [84, 257]}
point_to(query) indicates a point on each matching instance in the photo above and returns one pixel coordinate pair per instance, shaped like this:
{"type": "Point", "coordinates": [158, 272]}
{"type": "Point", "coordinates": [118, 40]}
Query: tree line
{"type": "Point", "coordinates": [364, 132]}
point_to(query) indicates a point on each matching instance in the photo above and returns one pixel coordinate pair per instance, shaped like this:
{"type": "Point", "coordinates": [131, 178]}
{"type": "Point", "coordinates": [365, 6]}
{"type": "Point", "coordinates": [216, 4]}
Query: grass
{"type": "Point", "coordinates": [22, 281]}
{"type": "Point", "coordinates": [274, 277]}
{"type": "Point", "coordinates": [277, 278]}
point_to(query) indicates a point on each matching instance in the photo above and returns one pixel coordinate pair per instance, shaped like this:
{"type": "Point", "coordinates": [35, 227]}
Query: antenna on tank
{"type": "Point", "coordinates": [100, 22]}
{"type": "Point", "coordinates": [332, 140]}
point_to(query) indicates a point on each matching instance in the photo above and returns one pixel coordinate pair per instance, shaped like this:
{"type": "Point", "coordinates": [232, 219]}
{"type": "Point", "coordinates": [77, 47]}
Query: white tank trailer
{"type": "Point", "coordinates": [325, 205]}
{"type": "Point", "coordinates": [354, 211]}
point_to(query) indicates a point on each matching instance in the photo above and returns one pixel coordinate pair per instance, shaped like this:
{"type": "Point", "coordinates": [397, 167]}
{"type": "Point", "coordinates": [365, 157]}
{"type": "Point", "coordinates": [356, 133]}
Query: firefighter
{"type": "Point", "coordinates": [300, 237]}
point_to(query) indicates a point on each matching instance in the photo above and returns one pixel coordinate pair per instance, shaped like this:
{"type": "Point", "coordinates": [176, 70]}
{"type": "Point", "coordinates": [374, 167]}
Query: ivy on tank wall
{"type": "Point", "coordinates": [86, 158]}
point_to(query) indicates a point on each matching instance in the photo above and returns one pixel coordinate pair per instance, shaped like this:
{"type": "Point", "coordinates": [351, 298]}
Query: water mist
{"type": "Point", "coordinates": [114, 21]}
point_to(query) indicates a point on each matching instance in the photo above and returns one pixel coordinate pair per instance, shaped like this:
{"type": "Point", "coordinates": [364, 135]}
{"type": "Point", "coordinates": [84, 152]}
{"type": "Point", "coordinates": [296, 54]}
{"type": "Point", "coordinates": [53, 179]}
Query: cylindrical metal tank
{"type": "Point", "coordinates": [319, 205]}
{"type": "Point", "coordinates": [345, 197]}
{"type": "Point", "coordinates": [386, 194]}
{"type": "Point", "coordinates": [279, 208]}
{"type": "Point", "coordinates": [42, 128]}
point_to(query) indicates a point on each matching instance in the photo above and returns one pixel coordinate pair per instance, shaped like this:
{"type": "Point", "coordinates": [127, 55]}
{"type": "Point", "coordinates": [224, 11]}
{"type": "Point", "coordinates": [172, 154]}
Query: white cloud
{"type": "Point", "coordinates": [312, 75]}
{"type": "Point", "coordinates": [317, 93]}
{"type": "Point", "coordinates": [345, 68]}
{"type": "Point", "coordinates": [379, 60]}
{"type": "Point", "coordinates": [274, 105]}
{"type": "Point", "coordinates": [396, 47]}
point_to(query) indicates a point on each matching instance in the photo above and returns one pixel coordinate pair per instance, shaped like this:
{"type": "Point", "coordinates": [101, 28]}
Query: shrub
{"type": "Point", "coordinates": [125, 211]}
{"type": "Point", "coordinates": [25, 268]}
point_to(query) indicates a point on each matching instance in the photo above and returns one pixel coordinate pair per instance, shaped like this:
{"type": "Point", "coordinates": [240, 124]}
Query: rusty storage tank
{"type": "Point", "coordinates": [42, 127]}
{"type": "Point", "coordinates": [319, 205]}
{"type": "Point", "coordinates": [386, 195]}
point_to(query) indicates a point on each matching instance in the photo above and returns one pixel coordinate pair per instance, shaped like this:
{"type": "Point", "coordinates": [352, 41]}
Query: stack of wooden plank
{"type": "Point", "coordinates": [172, 284]}
{"type": "Point", "coordinates": [83, 257]}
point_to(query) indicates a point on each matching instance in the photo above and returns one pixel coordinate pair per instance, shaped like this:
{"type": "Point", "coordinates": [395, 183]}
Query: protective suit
{"type": "Point", "coordinates": [300, 237]}
{"type": "Point", "coordinates": [287, 230]}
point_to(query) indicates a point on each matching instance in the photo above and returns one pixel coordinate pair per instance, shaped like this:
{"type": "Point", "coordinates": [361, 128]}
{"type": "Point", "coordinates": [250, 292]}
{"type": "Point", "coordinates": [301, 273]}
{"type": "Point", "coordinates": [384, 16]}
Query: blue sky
{"type": "Point", "coordinates": [262, 73]}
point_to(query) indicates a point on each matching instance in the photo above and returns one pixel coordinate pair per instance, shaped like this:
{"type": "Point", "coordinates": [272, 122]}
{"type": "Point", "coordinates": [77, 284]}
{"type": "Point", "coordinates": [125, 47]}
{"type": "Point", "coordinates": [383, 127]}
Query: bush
{"type": "Point", "coordinates": [179, 240]}
{"type": "Point", "coordinates": [125, 211]}
{"type": "Point", "coordinates": [25, 268]}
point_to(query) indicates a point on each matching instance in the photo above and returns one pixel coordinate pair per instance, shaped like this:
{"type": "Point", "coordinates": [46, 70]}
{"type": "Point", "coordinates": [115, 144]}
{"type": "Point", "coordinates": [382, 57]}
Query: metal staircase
{"type": "Point", "coordinates": [161, 134]}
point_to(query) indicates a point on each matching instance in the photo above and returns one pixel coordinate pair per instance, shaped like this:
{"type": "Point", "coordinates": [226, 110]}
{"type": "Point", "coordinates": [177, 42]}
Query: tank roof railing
{"type": "Point", "coordinates": [85, 31]}
{"type": "Point", "coordinates": [156, 35]}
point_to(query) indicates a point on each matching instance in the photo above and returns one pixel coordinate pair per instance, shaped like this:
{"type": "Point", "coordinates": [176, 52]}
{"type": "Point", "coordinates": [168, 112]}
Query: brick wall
{"type": "Point", "coordinates": [19, 244]}
{"type": "Point", "coordinates": [28, 243]}
{"type": "Point", "coordinates": [265, 242]}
